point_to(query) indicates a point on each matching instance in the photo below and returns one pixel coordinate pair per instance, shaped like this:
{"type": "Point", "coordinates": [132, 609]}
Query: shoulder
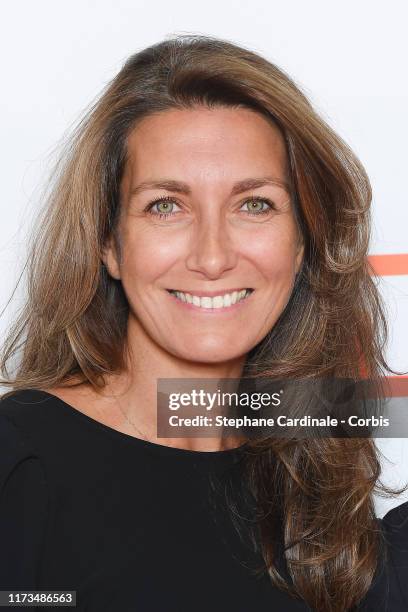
{"type": "Point", "coordinates": [394, 529]}
{"type": "Point", "coordinates": [23, 500]}
{"type": "Point", "coordinates": [396, 518]}
{"type": "Point", "coordinates": [29, 421]}
{"type": "Point", "coordinates": [389, 588]}
{"type": "Point", "coordinates": [30, 410]}
{"type": "Point", "coordinates": [17, 404]}
{"type": "Point", "coordinates": [16, 448]}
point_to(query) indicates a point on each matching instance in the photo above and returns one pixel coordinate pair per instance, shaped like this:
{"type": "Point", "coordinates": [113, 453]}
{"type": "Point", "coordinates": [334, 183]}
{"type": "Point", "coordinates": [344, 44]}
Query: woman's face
{"type": "Point", "coordinates": [205, 212]}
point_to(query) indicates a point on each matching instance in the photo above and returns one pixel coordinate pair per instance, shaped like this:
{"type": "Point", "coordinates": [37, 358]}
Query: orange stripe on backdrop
{"type": "Point", "coordinates": [388, 265]}
{"type": "Point", "coordinates": [394, 386]}
{"type": "Point", "coordinates": [397, 386]}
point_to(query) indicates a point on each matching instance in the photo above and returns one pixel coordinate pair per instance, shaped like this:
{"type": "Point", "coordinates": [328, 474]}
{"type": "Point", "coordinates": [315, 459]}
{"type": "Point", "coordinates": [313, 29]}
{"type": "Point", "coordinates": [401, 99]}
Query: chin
{"type": "Point", "coordinates": [211, 354]}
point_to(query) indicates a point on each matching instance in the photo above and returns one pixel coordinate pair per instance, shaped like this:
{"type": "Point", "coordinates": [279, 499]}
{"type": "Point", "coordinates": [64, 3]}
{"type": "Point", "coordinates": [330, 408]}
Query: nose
{"type": "Point", "coordinates": [211, 252]}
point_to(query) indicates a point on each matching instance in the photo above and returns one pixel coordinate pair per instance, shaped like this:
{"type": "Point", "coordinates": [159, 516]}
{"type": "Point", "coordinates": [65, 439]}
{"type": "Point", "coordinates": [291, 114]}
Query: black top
{"type": "Point", "coordinates": [131, 525]}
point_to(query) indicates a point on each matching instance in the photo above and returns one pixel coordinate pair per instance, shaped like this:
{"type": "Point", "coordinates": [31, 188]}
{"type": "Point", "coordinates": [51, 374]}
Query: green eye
{"type": "Point", "coordinates": [164, 207]}
{"type": "Point", "coordinates": [255, 206]}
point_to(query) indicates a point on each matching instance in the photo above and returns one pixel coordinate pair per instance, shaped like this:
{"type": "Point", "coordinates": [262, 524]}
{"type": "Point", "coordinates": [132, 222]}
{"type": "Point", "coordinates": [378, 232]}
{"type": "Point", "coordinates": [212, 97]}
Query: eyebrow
{"type": "Point", "coordinates": [181, 187]}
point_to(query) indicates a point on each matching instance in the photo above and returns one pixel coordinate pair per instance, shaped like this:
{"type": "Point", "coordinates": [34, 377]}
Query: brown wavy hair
{"type": "Point", "coordinates": [73, 324]}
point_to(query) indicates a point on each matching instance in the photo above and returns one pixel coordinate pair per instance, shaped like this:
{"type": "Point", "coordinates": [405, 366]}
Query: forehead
{"type": "Point", "coordinates": [200, 142]}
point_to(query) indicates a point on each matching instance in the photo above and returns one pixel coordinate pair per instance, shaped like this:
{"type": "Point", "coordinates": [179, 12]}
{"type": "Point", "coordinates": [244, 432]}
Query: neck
{"type": "Point", "coordinates": [136, 387]}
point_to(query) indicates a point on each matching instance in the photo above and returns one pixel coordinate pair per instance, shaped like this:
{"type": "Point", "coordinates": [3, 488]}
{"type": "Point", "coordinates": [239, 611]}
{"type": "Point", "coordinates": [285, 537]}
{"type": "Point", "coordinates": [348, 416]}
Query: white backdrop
{"type": "Point", "coordinates": [349, 57]}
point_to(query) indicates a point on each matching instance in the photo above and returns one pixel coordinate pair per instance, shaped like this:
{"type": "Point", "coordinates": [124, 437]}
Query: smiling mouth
{"type": "Point", "coordinates": [224, 300]}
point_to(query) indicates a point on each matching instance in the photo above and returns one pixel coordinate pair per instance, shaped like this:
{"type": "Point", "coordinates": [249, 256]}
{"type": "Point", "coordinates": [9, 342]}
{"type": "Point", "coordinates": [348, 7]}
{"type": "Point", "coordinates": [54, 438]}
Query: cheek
{"type": "Point", "coordinates": [146, 257]}
{"type": "Point", "coordinates": [274, 254]}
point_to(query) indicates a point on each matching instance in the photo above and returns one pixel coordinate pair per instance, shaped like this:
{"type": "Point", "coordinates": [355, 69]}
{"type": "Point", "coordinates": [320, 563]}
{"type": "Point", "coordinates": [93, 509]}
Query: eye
{"type": "Point", "coordinates": [256, 205]}
{"type": "Point", "coordinates": [161, 207]}
{"type": "Point", "coordinates": [164, 207]}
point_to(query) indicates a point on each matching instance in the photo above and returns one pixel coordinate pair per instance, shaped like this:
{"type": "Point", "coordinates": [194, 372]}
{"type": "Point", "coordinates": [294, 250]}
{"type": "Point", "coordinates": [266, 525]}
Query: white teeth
{"type": "Point", "coordinates": [227, 299]}
{"type": "Point", "coordinates": [218, 301]}
{"type": "Point", "coordinates": [206, 302]}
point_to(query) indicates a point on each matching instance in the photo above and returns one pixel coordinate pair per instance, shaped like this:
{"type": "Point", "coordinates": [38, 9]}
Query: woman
{"type": "Point", "coordinates": [205, 223]}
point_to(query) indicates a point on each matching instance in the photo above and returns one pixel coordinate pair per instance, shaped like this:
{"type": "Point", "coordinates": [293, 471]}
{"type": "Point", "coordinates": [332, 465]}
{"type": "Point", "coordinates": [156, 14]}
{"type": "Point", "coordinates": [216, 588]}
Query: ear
{"type": "Point", "coordinates": [110, 258]}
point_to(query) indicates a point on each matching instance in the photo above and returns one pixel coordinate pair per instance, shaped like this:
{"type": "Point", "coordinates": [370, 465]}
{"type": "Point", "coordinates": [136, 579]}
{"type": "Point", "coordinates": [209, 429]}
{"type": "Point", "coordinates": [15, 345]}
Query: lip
{"type": "Point", "coordinates": [212, 311]}
{"type": "Point", "coordinates": [211, 293]}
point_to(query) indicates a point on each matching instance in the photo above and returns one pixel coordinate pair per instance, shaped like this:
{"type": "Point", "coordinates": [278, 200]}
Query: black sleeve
{"type": "Point", "coordinates": [395, 528]}
{"type": "Point", "coordinates": [23, 510]}
{"type": "Point", "coordinates": [389, 589]}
